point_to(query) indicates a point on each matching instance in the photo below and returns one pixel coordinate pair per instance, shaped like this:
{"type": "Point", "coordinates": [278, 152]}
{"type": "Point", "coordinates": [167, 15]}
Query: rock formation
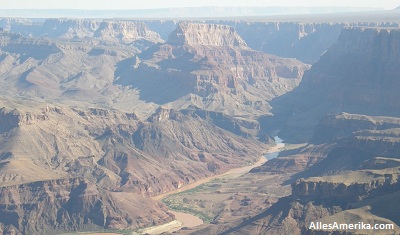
{"type": "Point", "coordinates": [210, 66]}
{"type": "Point", "coordinates": [71, 204]}
{"type": "Point", "coordinates": [305, 40]}
{"type": "Point", "coordinates": [349, 170]}
{"type": "Point", "coordinates": [97, 116]}
{"type": "Point", "coordinates": [92, 168]}
{"type": "Point", "coordinates": [125, 32]}
{"type": "Point", "coordinates": [356, 75]}
{"type": "Point", "coordinates": [85, 29]}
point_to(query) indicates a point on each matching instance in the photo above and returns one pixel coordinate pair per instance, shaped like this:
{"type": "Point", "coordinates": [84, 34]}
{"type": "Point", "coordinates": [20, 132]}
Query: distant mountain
{"type": "Point", "coordinates": [184, 12]}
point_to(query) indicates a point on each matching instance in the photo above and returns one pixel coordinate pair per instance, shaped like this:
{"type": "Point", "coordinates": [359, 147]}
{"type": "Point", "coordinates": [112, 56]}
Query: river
{"type": "Point", "coordinates": [188, 220]}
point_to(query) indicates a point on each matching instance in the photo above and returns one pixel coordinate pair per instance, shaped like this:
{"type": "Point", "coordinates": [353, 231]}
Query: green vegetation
{"type": "Point", "coordinates": [289, 146]}
{"type": "Point", "coordinates": [181, 202]}
{"type": "Point", "coordinates": [123, 232]}
{"type": "Point", "coordinates": [182, 208]}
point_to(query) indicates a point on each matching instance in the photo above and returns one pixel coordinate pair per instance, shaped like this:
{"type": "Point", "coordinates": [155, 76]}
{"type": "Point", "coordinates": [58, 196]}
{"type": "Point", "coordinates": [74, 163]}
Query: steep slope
{"type": "Point", "coordinates": [71, 204]}
{"type": "Point", "coordinates": [210, 66]}
{"type": "Point", "coordinates": [305, 39]}
{"type": "Point", "coordinates": [349, 171]}
{"type": "Point", "coordinates": [125, 32]}
{"type": "Point", "coordinates": [64, 72]}
{"type": "Point", "coordinates": [354, 140]}
{"type": "Point", "coordinates": [358, 74]}
{"type": "Point", "coordinates": [64, 28]}
{"type": "Point", "coordinates": [351, 176]}
{"type": "Point", "coordinates": [91, 168]}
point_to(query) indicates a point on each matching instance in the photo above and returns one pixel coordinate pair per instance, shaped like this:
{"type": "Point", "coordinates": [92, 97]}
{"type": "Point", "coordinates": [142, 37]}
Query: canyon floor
{"type": "Point", "coordinates": [207, 198]}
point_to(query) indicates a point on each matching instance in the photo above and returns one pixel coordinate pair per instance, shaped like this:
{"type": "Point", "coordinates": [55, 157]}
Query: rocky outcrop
{"type": "Point", "coordinates": [125, 32]}
{"type": "Point", "coordinates": [80, 30]}
{"type": "Point", "coordinates": [283, 164]}
{"type": "Point", "coordinates": [368, 199]}
{"type": "Point", "coordinates": [113, 157]}
{"type": "Point", "coordinates": [344, 125]}
{"type": "Point", "coordinates": [346, 198]}
{"type": "Point", "coordinates": [67, 28]}
{"type": "Point", "coordinates": [355, 178]}
{"type": "Point", "coordinates": [243, 127]}
{"type": "Point", "coordinates": [347, 188]}
{"type": "Point", "coordinates": [205, 35]}
{"type": "Point", "coordinates": [304, 40]}
{"type": "Point", "coordinates": [170, 135]}
{"type": "Point", "coordinates": [105, 113]}
{"type": "Point", "coordinates": [354, 140]}
{"type": "Point", "coordinates": [380, 163]}
{"type": "Point", "coordinates": [74, 204]}
{"type": "Point", "coordinates": [13, 118]}
{"type": "Point", "coordinates": [210, 66]}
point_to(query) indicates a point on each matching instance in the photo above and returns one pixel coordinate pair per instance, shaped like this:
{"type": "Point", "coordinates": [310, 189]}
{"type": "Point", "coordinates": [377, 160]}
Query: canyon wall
{"type": "Point", "coordinates": [353, 76]}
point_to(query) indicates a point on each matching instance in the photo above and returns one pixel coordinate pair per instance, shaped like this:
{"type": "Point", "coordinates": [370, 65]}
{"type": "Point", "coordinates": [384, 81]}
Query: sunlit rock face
{"type": "Point", "coordinates": [211, 67]}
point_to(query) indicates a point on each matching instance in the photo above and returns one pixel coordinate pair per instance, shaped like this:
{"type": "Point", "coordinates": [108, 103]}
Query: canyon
{"type": "Point", "coordinates": [99, 118]}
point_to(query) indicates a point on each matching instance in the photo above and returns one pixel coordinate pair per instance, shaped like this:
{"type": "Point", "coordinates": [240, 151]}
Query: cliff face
{"type": "Point", "coordinates": [210, 66]}
{"type": "Point", "coordinates": [357, 174]}
{"type": "Point", "coordinates": [305, 41]}
{"type": "Point", "coordinates": [295, 161]}
{"type": "Point", "coordinates": [93, 168]}
{"type": "Point", "coordinates": [86, 29]}
{"type": "Point", "coordinates": [220, 75]}
{"type": "Point", "coordinates": [67, 28]}
{"type": "Point", "coordinates": [115, 143]}
{"type": "Point", "coordinates": [362, 195]}
{"type": "Point", "coordinates": [355, 139]}
{"type": "Point", "coordinates": [356, 75]}
{"type": "Point", "coordinates": [365, 59]}
{"type": "Point", "coordinates": [125, 32]}
{"type": "Point", "coordinates": [368, 195]}
{"type": "Point", "coordinates": [205, 35]}
{"type": "Point", "coordinates": [347, 188]}
{"type": "Point", "coordinates": [344, 125]}
{"type": "Point", "coordinates": [73, 204]}
{"type": "Point", "coordinates": [13, 118]}
{"type": "Point", "coordinates": [355, 178]}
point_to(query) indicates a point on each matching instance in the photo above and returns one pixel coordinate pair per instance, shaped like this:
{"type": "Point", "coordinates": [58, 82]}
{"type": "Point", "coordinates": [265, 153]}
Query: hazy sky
{"type": "Point", "coordinates": [143, 4]}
